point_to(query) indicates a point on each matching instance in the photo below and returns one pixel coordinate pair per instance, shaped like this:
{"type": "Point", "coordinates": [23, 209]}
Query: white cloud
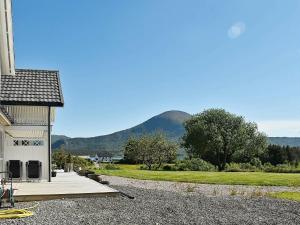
{"type": "Point", "coordinates": [236, 30]}
{"type": "Point", "coordinates": [273, 128]}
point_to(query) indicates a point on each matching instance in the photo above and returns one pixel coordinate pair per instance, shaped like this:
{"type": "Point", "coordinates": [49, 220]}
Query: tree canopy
{"type": "Point", "coordinates": [150, 150]}
{"type": "Point", "coordinates": [221, 137]}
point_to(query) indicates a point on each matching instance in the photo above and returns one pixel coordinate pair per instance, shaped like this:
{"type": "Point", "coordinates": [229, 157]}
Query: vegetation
{"type": "Point", "coordinates": [220, 137]}
{"type": "Point", "coordinates": [60, 158]}
{"type": "Point", "coordinates": [295, 196]}
{"type": "Point", "coordinates": [110, 166]}
{"type": "Point", "coordinates": [150, 150]}
{"type": "Point", "coordinates": [236, 178]}
{"type": "Point", "coordinates": [193, 165]}
{"type": "Point", "coordinates": [277, 154]}
{"type": "Point", "coordinates": [267, 167]}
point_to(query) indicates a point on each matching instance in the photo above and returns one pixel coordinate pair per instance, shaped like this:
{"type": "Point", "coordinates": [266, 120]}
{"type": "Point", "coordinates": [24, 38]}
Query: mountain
{"type": "Point", "coordinates": [170, 123]}
{"type": "Point", "coordinates": [291, 141]}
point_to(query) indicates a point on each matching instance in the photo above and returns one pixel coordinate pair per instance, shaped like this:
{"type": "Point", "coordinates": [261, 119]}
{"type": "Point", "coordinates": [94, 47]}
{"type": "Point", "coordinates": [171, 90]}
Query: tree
{"type": "Point", "coordinates": [277, 154]}
{"type": "Point", "coordinates": [130, 151]}
{"type": "Point", "coordinates": [59, 158]}
{"type": "Point", "coordinates": [220, 137]}
{"type": "Point", "coordinates": [150, 150]}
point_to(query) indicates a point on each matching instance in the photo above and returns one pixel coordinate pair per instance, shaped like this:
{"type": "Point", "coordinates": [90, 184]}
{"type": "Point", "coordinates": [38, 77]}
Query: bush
{"type": "Point", "coordinates": [111, 166]}
{"type": "Point", "coordinates": [181, 166]}
{"type": "Point", "coordinates": [143, 167]}
{"type": "Point", "coordinates": [267, 167]}
{"type": "Point", "coordinates": [154, 167]}
{"type": "Point", "coordinates": [280, 168]}
{"type": "Point", "coordinates": [169, 167]}
{"type": "Point", "coordinates": [194, 165]}
{"type": "Point", "coordinates": [184, 165]}
{"type": "Point", "coordinates": [240, 167]}
{"type": "Point", "coordinates": [257, 163]}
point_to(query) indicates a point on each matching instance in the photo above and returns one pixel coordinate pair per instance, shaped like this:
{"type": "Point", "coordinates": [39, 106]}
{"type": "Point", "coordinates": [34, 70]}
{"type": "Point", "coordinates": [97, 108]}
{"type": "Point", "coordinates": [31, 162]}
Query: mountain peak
{"type": "Point", "coordinates": [175, 115]}
{"type": "Point", "coordinates": [169, 122]}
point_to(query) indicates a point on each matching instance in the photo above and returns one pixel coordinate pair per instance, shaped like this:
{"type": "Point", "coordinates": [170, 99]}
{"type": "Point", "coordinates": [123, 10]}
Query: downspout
{"type": "Point", "coordinates": [49, 142]}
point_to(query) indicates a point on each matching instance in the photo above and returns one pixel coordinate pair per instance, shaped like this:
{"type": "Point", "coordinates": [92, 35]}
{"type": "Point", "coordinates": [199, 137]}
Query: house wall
{"type": "Point", "coordinates": [30, 115]}
{"type": "Point", "coordinates": [1, 151]}
{"type": "Point", "coordinates": [26, 153]}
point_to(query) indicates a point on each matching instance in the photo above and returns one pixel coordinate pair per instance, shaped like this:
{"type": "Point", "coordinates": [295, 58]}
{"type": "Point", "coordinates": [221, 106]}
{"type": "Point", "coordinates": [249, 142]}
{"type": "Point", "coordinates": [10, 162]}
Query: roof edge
{"type": "Point", "coordinates": [24, 103]}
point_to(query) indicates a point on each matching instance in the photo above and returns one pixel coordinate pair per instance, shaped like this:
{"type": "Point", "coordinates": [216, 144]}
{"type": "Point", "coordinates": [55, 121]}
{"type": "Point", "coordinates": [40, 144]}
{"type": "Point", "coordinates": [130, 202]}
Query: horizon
{"type": "Point", "coordinates": [155, 116]}
{"type": "Point", "coordinates": [124, 63]}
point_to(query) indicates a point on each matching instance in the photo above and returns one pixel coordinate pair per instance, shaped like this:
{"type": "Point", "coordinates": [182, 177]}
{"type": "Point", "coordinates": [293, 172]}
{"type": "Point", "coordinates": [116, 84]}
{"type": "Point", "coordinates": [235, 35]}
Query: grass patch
{"type": "Point", "coordinates": [230, 178]}
{"type": "Point", "coordinates": [295, 196]}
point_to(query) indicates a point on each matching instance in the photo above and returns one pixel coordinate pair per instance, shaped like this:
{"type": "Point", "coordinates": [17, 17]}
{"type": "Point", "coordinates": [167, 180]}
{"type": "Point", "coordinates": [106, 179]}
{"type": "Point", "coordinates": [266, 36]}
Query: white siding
{"type": "Point", "coordinates": [26, 153]}
{"type": "Point", "coordinates": [30, 115]}
{"type": "Point", "coordinates": [2, 168]}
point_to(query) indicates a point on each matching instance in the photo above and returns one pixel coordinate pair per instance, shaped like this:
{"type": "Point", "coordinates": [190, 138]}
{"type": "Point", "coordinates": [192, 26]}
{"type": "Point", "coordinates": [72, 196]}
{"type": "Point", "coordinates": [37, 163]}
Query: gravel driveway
{"type": "Point", "coordinates": [207, 189]}
{"type": "Point", "coordinates": [163, 207]}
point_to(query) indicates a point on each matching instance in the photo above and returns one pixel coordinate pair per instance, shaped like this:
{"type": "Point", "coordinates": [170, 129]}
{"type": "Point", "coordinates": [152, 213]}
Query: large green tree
{"type": "Point", "coordinates": [221, 137]}
{"type": "Point", "coordinates": [150, 150]}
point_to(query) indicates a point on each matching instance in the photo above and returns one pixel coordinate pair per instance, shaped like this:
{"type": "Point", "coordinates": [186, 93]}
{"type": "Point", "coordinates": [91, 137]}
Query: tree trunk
{"type": "Point", "coordinates": [219, 161]}
{"type": "Point", "coordinates": [225, 152]}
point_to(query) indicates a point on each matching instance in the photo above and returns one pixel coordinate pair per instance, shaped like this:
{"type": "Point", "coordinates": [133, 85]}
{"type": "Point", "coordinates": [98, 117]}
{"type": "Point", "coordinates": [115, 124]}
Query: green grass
{"type": "Point", "coordinates": [232, 178]}
{"type": "Point", "coordinates": [295, 196]}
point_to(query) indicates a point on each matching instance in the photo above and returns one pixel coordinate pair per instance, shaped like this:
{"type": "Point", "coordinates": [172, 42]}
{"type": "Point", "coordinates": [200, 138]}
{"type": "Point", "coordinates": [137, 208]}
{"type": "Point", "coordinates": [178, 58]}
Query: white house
{"type": "Point", "coordinates": [28, 99]}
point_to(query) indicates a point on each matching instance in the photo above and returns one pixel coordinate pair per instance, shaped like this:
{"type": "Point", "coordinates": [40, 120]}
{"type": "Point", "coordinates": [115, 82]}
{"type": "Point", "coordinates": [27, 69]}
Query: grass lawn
{"type": "Point", "coordinates": [295, 196]}
{"type": "Point", "coordinates": [233, 178]}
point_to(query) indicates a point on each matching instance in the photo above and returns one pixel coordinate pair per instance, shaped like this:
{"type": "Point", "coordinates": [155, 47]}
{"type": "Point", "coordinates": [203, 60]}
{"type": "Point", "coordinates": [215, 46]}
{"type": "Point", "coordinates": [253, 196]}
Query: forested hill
{"type": "Point", "coordinates": [170, 123]}
{"type": "Point", "coordinates": [291, 141]}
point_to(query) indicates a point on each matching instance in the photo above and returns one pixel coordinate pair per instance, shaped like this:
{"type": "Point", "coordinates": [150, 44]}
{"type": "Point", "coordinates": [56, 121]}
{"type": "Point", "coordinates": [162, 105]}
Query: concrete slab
{"type": "Point", "coordinates": [64, 185]}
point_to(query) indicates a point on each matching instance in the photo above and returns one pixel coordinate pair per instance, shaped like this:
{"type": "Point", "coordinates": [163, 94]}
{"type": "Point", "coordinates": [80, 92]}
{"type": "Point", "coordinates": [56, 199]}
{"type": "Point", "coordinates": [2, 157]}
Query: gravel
{"type": "Point", "coordinates": [163, 207]}
{"type": "Point", "coordinates": [207, 189]}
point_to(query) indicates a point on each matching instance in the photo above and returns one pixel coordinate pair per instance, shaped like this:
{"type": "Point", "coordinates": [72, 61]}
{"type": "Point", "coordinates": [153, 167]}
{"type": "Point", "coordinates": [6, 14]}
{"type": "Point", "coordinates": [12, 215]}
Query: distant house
{"type": "Point", "coordinates": [28, 99]}
{"type": "Point", "coordinates": [100, 159]}
{"type": "Point", "coordinates": [105, 159]}
{"type": "Point", "coordinates": [94, 158]}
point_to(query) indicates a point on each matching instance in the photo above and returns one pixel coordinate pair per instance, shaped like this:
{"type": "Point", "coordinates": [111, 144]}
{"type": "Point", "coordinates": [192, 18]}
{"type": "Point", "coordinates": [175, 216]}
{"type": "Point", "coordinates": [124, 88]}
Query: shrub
{"type": "Point", "coordinates": [111, 166]}
{"type": "Point", "coordinates": [194, 165]}
{"type": "Point", "coordinates": [255, 166]}
{"type": "Point", "coordinates": [233, 167]}
{"type": "Point", "coordinates": [240, 167]}
{"type": "Point", "coordinates": [153, 167]}
{"type": "Point", "coordinates": [280, 168]}
{"type": "Point", "coordinates": [181, 166]}
{"type": "Point", "coordinates": [168, 167]}
{"type": "Point", "coordinates": [256, 162]}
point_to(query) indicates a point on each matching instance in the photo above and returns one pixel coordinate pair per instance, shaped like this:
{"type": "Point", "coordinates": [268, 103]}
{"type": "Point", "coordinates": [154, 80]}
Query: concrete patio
{"type": "Point", "coordinates": [64, 185]}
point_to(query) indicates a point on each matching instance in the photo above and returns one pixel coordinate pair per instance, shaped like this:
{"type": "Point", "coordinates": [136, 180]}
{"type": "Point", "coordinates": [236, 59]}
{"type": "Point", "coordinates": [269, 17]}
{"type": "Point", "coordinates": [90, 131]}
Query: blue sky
{"type": "Point", "coordinates": [122, 62]}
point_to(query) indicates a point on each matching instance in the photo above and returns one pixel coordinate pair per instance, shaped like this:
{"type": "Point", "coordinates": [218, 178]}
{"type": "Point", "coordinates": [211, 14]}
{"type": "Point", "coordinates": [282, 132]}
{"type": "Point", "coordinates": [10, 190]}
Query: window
{"type": "Point", "coordinates": [28, 142]}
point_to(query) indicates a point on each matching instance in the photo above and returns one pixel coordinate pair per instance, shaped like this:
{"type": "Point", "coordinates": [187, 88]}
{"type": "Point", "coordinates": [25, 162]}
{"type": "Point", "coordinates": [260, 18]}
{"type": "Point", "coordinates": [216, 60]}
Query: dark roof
{"type": "Point", "coordinates": [31, 87]}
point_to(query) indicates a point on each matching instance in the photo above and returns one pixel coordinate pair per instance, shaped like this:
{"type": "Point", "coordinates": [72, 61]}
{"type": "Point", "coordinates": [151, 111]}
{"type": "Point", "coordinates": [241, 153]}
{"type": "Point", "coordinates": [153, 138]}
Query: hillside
{"type": "Point", "coordinates": [291, 141]}
{"type": "Point", "coordinates": [170, 122]}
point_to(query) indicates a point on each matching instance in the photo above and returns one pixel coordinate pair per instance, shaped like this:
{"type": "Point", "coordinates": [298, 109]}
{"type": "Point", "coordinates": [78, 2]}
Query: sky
{"type": "Point", "coordinates": [122, 62]}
